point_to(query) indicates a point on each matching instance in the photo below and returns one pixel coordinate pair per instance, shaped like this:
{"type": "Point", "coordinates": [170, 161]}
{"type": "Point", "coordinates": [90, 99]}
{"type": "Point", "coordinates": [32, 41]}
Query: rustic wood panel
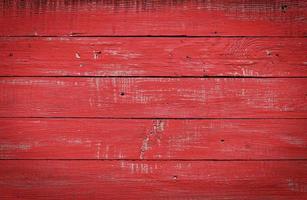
{"type": "Point", "coordinates": [154, 97]}
{"type": "Point", "coordinates": [153, 180]}
{"type": "Point", "coordinates": [170, 17]}
{"type": "Point", "coordinates": [152, 139]}
{"type": "Point", "coordinates": [60, 56]}
{"type": "Point", "coordinates": [126, 112]}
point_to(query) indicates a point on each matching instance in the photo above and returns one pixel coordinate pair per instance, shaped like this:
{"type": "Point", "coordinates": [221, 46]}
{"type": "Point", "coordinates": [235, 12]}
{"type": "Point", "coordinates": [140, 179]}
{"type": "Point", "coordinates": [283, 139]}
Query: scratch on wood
{"type": "Point", "coordinates": [14, 147]}
{"type": "Point", "coordinates": [107, 151]}
{"type": "Point", "coordinates": [138, 168]}
{"type": "Point", "coordinates": [144, 147]}
{"type": "Point", "coordinates": [97, 88]}
{"type": "Point", "coordinates": [154, 134]}
{"type": "Point", "coordinates": [295, 186]}
{"type": "Point", "coordinates": [98, 150]}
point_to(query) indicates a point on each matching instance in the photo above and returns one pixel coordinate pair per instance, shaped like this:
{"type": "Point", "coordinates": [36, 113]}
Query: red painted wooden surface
{"type": "Point", "coordinates": [53, 56]}
{"type": "Point", "coordinates": [154, 97]}
{"type": "Point", "coordinates": [126, 112]}
{"type": "Point", "coordinates": [153, 139]}
{"type": "Point", "coordinates": [153, 180]}
{"type": "Point", "coordinates": [157, 17]}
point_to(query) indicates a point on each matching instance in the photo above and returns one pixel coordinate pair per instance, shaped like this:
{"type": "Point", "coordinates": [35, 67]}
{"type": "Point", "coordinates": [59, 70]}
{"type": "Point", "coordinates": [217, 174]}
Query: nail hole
{"type": "Point", "coordinates": [222, 140]}
{"type": "Point", "coordinates": [284, 8]}
{"type": "Point", "coordinates": [10, 54]}
{"type": "Point", "coordinates": [215, 32]}
{"type": "Point", "coordinates": [122, 94]}
{"type": "Point", "coordinates": [175, 177]}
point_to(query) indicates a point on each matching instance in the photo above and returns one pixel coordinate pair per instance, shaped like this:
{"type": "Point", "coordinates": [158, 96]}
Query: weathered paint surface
{"type": "Point", "coordinates": [154, 97]}
{"type": "Point", "coordinates": [157, 17]}
{"type": "Point", "coordinates": [139, 56]}
{"type": "Point", "coordinates": [134, 99]}
{"type": "Point", "coordinates": [153, 139]}
{"type": "Point", "coordinates": [153, 179]}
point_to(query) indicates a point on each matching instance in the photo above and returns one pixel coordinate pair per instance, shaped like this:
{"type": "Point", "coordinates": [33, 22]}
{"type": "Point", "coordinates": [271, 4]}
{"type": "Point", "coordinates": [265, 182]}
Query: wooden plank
{"type": "Point", "coordinates": [153, 97]}
{"type": "Point", "coordinates": [152, 139]}
{"type": "Point", "coordinates": [153, 180]}
{"type": "Point", "coordinates": [59, 56]}
{"type": "Point", "coordinates": [170, 17]}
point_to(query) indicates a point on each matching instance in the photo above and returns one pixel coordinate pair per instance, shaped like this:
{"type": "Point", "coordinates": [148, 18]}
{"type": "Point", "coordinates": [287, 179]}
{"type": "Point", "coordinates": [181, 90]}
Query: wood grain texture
{"type": "Point", "coordinates": [154, 97]}
{"type": "Point", "coordinates": [157, 17]}
{"type": "Point", "coordinates": [153, 180]}
{"type": "Point", "coordinates": [60, 56]}
{"type": "Point", "coordinates": [152, 139]}
{"type": "Point", "coordinates": [106, 99]}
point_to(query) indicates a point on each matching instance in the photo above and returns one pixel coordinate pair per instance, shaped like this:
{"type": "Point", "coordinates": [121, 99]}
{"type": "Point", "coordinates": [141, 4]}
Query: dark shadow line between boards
{"type": "Point", "coordinates": [169, 77]}
{"type": "Point", "coordinates": [152, 160]}
{"type": "Point", "coordinates": [149, 36]}
{"type": "Point", "coordinates": [153, 118]}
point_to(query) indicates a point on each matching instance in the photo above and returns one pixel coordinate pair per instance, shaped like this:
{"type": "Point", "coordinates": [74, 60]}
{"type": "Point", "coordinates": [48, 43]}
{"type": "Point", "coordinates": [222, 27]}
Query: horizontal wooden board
{"type": "Point", "coordinates": [157, 17]}
{"type": "Point", "coordinates": [153, 180]}
{"type": "Point", "coordinates": [152, 139]}
{"type": "Point", "coordinates": [153, 97]}
{"type": "Point", "coordinates": [59, 56]}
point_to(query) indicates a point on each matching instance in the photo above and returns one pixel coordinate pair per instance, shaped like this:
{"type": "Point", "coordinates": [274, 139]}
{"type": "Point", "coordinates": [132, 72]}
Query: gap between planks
{"type": "Point", "coordinates": [153, 160]}
{"type": "Point", "coordinates": [169, 77]}
{"type": "Point", "coordinates": [146, 36]}
{"type": "Point", "coordinates": [154, 118]}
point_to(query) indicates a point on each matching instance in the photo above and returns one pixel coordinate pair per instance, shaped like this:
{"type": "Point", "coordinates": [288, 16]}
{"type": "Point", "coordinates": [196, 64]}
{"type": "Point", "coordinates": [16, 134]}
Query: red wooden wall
{"type": "Point", "coordinates": [135, 99]}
